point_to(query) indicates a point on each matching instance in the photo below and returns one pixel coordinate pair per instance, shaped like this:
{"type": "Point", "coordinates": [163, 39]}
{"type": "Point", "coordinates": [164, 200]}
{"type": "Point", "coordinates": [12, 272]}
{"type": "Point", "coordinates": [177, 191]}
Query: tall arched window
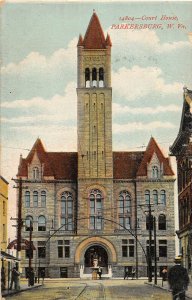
{"type": "Point", "coordinates": [101, 77]}
{"type": "Point", "coordinates": [27, 199]}
{"type": "Point", "coordinates": [35, 199]}
{"type": "Point", "coordinates": [147, 196]}
{"type": "Point", "coordinates": [155, 172]}
{"type": "Point", "coordinates": [43, 198]}
{"type": "Point", "coordinates": [67, 211]}
{"type": "Point", "coordinates": [36, 173]}
{"type": "Point", "coordinates": [124, 210]}
{"type": "Point", "coordinates": [162, 222]}
{"type": "Point", "coordinates": [28, 223]}
{"type": "Point", "coordinates": [155, 197]}
{"type": "Point", "coordinates": [41, 223]}
{"type": "Point", "coordinates": [95, 209]}
{"type": "Point", "coordinates": [163, 197]}
{"type": "Point", "coordinates": [94, 77]}
{"type": "Point", "coordinates": [87, 78]}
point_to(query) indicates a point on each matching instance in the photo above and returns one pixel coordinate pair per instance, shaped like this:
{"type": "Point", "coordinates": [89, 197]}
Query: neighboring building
{"type": "Point", "coordinates": [100, 198]}
{"type": "Point", "coordinates": [3, 212]}
{"type": "Point", "coordinates": [182, 149]}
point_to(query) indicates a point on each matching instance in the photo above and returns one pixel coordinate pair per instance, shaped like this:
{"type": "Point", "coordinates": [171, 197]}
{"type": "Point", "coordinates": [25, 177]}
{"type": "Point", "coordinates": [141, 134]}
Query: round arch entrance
{"type": "Point", "coordinates": [96, 252]}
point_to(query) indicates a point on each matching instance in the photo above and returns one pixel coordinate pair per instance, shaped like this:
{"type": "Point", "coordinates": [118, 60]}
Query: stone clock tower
{"type": "Point", "coordinates": [95, 161]}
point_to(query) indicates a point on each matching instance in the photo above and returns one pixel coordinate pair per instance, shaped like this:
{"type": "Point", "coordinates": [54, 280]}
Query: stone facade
{"type": "Point", "coordinates": [93, 204]}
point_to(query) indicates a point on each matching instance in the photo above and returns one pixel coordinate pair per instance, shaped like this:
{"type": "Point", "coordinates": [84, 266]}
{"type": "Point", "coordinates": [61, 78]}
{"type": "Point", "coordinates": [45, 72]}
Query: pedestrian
{"type": "Point", "coordinates": [164, 274]}
{"type": "Point", "coordinates": [31, 277]}
{"type": "Point", "coordinates": [14, 278]}
{"type": "Point", "coordinates": [126, 274]}
{"type": "Point", "coordinates": [3, 281]}
{"type": "Point", "coordinates": [43, 275]}
{"type": "Point", "coordinates": [133, 272]}
{"type": "Point", "coordinates": [99, 272]}
{"type": "Point", "coordinates": [178, 280]}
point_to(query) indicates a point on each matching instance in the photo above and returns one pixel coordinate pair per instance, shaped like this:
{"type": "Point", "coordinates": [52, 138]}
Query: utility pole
{"type": "Point", "coordinates": [150, 242]}
{"type": "Point", "coordinates": [155, 250]}
{"type": "Point", "coordinates": [19, 227]}
{"type": "Point", "coordinates": [30, 245]}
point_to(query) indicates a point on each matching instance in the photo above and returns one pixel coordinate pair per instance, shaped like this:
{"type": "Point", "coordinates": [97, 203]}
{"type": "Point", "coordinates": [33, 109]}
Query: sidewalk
{"type": "Point", "coordinates": [23, 287]}
{"type": "Point", "coordinates": [166, 287]}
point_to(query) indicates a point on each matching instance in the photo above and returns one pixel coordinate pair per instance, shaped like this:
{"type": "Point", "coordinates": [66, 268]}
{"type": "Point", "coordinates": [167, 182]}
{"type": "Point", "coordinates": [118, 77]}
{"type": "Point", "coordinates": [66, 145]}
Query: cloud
{"type": "Point", "coordinates": [139, 82]}
{"type": "Point", "coordinates": [119, 109]}
{"type": "Point", "coordinates": [139, 126]}
{"type": "Point", "coordinates": [58, 108]}
{"type": "Point", "coordinates": [143, 40]}
{"type": "Point", "coordinates": [35, 62]}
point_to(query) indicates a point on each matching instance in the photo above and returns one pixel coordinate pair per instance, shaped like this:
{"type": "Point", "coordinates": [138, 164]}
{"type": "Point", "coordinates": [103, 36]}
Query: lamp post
{"type": "Point", "coordinates": [155, 250]}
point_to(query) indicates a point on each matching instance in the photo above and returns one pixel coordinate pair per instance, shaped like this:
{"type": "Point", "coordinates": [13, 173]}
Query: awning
{"type": "Point", "coordinates": [9, 257]}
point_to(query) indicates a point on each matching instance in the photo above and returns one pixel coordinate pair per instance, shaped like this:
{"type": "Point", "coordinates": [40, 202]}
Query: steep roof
{"type": "Point", "coordinates": [151, 149]}
{"type": "Point", "coordinates": [94, 36]}
{"type": "Point", "coordinates": [125, 164]}
{"type": "Point", "coordinates": [61, 165]}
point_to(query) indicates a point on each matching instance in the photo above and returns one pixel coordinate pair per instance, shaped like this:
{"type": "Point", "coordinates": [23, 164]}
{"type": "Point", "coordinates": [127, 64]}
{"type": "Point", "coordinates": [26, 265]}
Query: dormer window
{"type": "Point", "coordinates": [36, 173]}
{"type": "Point", "coordinates": [155, 172]}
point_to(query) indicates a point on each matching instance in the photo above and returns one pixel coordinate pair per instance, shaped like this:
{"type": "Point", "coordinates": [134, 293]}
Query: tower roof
{"type": "Point", "coordinates": [94, 36]}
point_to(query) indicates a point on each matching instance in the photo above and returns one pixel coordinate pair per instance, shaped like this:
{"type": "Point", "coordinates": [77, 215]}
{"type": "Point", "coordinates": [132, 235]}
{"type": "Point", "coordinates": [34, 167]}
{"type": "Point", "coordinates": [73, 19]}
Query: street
{"type": "Point", "coordinates": [71, 289]}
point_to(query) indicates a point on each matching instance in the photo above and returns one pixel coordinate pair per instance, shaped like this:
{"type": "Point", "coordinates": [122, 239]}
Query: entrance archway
{"type": "Point", "coordinates": [96, 252]}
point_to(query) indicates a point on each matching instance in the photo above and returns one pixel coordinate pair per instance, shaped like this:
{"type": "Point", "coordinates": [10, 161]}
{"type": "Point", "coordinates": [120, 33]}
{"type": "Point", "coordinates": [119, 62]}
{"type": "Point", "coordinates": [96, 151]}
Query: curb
{"type": "Point", "coordinates": [163, 288]}
{"type": "Point", "coordinates": [20, 291]}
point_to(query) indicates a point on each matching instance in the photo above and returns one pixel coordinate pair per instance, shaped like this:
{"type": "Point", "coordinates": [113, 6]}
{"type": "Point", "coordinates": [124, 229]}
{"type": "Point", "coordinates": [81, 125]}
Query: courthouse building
{"type": "Point", "coordinates": [94, 203]}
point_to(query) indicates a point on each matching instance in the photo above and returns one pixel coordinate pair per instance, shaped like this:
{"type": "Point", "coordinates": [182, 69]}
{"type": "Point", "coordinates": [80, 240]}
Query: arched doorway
{"type": "Point", "coordinates": [98, 252]}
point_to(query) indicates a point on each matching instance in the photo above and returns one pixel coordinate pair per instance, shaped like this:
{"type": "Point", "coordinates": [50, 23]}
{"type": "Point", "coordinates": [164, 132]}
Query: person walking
{"type": "Point", "coordinates": [43, 275]}
{"type": "Point", "coordinates": [164, 274]}
{"type": "Point", "coordinates": [126, 274]}
{"type": "Point", "coordinates": [178, 280]}
{"type": "Point", "coordinates": [14, 278]}
{"type": "Point", "coordinates": [99, 272]}
{"type": "Point", "coordinates": [133, 273]}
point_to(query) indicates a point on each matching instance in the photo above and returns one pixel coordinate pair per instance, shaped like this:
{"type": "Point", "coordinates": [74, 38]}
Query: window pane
{"type": "Point", "coordinates": [131, 251]}
{"type": "Point", "coordinates": [124, 251]}
{"type": "Point", "coordinates": [70, 224]}
{"type": "Point", "coordinates": [67, 251]}
{"type": "Point", "coordinates": [35, 199]}
{"type": "Point", "coordinates": [121, 210]}
{"type": "Point", "coordinates": [60, 251]}
{"type": "Point", "coordinates": [92, 222]}
{"type": "Point", "coordinates": [127, 223]}
{"type": "Point", "coordinates": [70, 206]}
{"type": "Point", "coordinates": [99, 223]}
{"type": "Point", "coordinates": [43, 199]}
{"type": "Point", "coordinates": [63, 207]}
{"type": "Point", "coordinates": [27, 199]}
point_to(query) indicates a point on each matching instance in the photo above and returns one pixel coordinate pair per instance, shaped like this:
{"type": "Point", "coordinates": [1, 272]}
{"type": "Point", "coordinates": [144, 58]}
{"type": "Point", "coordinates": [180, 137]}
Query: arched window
{"type": "Point", "coordinates": [163, 197]}
{"type": "Point", "coordinates": [162, 222]}
{"type": "Point", "coordinates": [87, 78]}
{"type": "Point", "coordinates": [94, 77]}
{"type": "Point", "coordinates": [124, 210]}
{"type": "Point", "coordinates": [27, 199]}
{"type": "Point", "coordinates": [28, 223]}
{"type": "Point", "coordinates": [95, 209]}
{"type": "Point", "coordinates": [101, 77]}
{"type": "Point", "coordinates": [43, 199]}
{"type": "Point", "coordinates": [36, 173]}
{"type": "Point", "coordinates": [35, 199]}
{"type": "Point", "coordinates": [67, 211]}
{"type": "Point", "coordinates": [41, 223]}
{"type": "Point", "coordinates": [155, 197]}
{"type": "Point", "coordinates": [155, 172]}
{"type": "Point", "coordinates": [147, 196]}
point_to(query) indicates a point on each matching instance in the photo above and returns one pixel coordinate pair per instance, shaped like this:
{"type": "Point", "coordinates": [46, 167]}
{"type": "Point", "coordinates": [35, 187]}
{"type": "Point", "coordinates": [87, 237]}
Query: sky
{"type": "Point", "coordinates": [150, 67]}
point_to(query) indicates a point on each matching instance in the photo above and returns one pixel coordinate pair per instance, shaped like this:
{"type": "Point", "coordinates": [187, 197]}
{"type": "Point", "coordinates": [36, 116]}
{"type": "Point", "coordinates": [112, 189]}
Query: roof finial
{"type": "Point", "coordinates": [93, 10]}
